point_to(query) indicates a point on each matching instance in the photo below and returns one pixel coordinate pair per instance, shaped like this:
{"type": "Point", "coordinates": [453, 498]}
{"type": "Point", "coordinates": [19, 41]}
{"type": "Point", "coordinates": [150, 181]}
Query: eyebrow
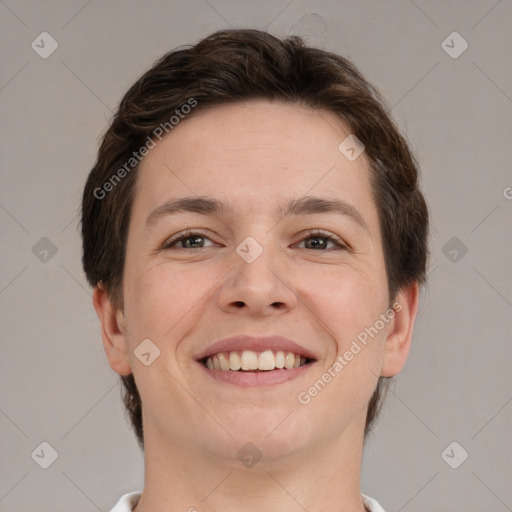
{"type": "Point", "coordinates": [302, 206]}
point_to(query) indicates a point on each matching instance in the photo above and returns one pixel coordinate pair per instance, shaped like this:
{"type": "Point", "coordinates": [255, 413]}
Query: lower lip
{"type": "Point", "coordinates": [255, 379]}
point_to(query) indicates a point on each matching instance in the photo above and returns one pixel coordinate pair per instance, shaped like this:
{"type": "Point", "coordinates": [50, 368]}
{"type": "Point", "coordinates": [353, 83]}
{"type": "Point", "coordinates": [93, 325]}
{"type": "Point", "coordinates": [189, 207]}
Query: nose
{"type": "Point", "coordinates": [258, 287]}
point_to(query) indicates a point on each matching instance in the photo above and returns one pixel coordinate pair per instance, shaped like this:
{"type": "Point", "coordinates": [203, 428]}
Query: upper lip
{"type": "Point", "coordinates": [257, 344]}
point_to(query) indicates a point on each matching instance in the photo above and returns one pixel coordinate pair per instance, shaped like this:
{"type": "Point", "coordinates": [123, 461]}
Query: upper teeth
{"type": "Point", "coordinates": [249, 360]}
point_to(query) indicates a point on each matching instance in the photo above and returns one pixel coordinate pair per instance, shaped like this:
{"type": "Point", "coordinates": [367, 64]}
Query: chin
{"type": "Point", "coordinates": [275, 433]}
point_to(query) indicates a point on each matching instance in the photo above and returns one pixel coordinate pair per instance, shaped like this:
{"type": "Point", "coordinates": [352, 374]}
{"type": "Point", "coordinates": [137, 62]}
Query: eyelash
{"type": "Point", "coordinates": [312, 234]}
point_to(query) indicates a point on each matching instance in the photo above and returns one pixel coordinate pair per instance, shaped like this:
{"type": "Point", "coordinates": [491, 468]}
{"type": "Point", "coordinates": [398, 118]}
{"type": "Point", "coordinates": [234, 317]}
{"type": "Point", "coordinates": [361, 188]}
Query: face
{"type": "Point", "coordinates": [313, 276]}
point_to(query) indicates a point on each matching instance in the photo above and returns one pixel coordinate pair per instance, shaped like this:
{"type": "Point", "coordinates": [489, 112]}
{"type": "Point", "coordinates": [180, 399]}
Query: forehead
{"type": "Point", "coordinates": [254, 155]}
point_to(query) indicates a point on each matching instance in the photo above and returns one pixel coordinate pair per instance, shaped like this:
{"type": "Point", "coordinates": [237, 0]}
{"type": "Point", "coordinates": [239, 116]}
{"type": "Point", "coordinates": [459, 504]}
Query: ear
{"type": "Point", "coordinates": [113, 331]}
{"type": "Point", "coordinates": [398, 340]}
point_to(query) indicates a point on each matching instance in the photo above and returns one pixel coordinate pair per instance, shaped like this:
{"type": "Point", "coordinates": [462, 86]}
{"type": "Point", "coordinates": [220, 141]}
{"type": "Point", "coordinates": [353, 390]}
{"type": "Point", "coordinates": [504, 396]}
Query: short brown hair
{"type": "Point", "coordinates": [239, 65]}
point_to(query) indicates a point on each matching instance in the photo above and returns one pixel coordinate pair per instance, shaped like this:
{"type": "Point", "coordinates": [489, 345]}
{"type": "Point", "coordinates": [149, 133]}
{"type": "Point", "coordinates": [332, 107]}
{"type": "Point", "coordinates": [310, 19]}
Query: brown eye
{"type": "Point", "coordinates": [321, 240]}
{"type": "Point", "coordinates": [188, 240]}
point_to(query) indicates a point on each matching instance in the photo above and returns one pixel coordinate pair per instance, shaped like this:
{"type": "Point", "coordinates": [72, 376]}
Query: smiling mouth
{"type": "Point", "coordinates": [251, 361]}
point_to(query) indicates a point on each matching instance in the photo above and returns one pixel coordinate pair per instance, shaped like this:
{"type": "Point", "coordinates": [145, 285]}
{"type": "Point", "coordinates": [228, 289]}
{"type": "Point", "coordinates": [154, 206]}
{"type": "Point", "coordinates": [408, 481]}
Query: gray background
{"type": "Point", "coordinates": [56, 385]}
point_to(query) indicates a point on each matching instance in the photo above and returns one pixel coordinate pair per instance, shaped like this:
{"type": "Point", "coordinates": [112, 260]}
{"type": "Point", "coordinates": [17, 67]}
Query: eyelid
{"type": "Point", "coordinates": [324, 234]}
{"type": "Point", "coordinates": [190, 232]}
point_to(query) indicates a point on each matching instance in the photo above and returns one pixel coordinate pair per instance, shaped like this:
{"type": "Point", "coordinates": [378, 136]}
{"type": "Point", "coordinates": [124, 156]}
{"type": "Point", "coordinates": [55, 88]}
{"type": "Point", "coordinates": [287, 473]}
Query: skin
{"type": "Point", "coordinates": [254, 155]}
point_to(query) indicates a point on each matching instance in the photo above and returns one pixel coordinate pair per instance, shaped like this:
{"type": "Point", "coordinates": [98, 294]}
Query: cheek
{"type": "Point", "coordinates": [347, 304]}
{"type": "Point", "coordinates": [159, 298]}
{"type": "Point", "coordinates": [345, 299]}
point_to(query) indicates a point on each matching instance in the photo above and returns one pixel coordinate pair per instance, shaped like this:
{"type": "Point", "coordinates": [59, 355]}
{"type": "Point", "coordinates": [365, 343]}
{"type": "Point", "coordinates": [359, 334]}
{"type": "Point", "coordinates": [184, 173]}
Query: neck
{"type": "Point", "coordinates": [189, 478]}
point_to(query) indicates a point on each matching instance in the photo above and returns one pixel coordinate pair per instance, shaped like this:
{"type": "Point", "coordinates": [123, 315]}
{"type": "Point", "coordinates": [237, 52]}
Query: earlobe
{"type": "Point", "coordinates": [398, 340]}
{"type": "Point", "coordinates": [113, 332]}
